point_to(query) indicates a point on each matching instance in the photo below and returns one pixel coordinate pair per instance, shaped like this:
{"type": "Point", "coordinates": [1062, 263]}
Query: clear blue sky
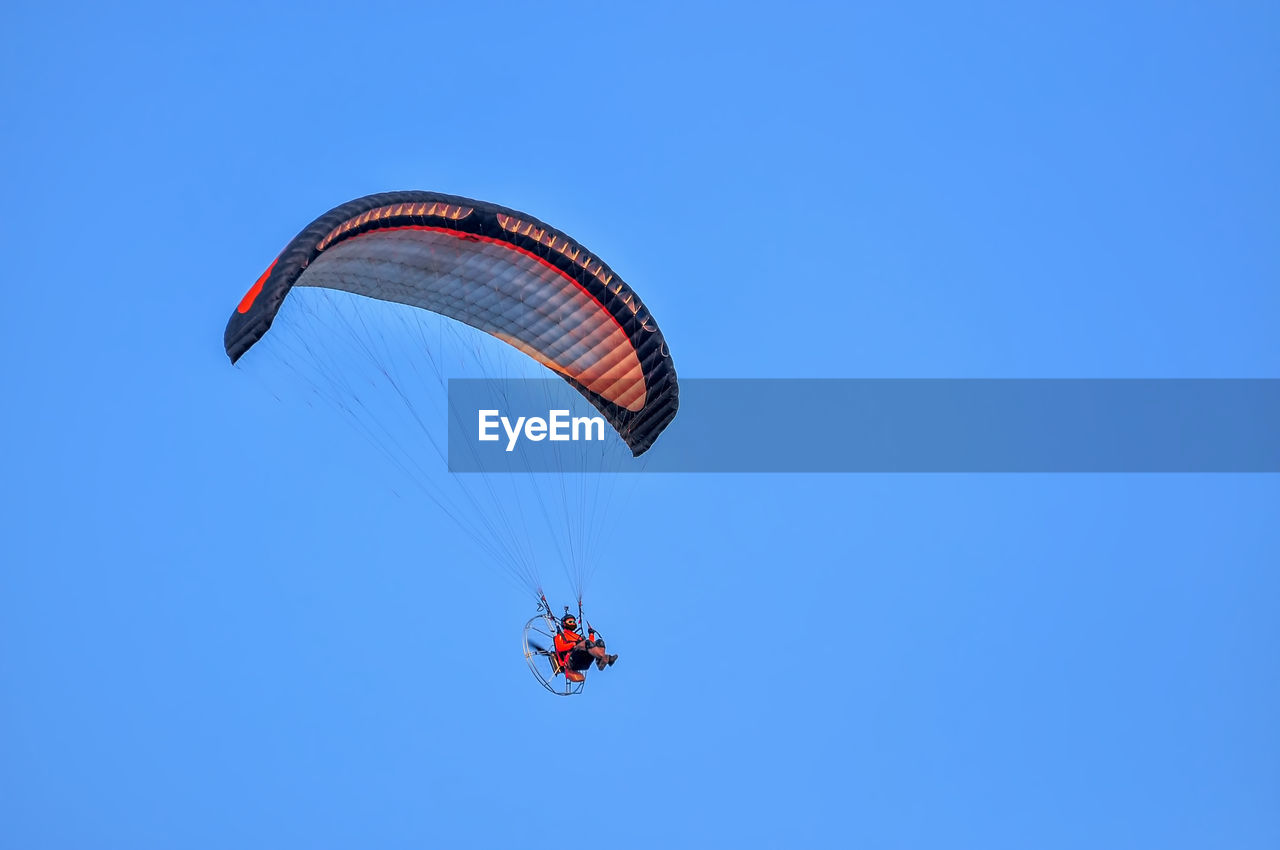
{"type": "Point", "coordinates": [221, 627]}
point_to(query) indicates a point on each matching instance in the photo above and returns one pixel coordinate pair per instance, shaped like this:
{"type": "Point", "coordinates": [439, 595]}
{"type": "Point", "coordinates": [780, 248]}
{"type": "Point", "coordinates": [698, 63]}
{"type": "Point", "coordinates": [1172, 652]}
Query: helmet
{"type": "Point", "coordinates": [569, 621]}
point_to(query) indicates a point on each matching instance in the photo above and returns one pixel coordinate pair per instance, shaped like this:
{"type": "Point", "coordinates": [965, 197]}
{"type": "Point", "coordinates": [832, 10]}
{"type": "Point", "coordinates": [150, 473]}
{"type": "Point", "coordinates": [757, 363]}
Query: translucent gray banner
{"type": "Point", "coordinates": [869, 425]}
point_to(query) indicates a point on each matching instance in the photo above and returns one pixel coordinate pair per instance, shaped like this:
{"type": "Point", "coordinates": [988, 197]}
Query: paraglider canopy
{"type": "Point", "coordinates": [496, 269]}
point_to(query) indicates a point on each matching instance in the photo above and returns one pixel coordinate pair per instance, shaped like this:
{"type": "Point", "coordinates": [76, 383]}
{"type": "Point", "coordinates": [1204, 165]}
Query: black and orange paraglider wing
{"type": "Point", "coordinates": [498, 270]}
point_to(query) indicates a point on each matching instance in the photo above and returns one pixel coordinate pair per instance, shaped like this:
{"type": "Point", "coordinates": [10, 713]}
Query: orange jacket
{"type": "Point", "coordinates": [566, 640]}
